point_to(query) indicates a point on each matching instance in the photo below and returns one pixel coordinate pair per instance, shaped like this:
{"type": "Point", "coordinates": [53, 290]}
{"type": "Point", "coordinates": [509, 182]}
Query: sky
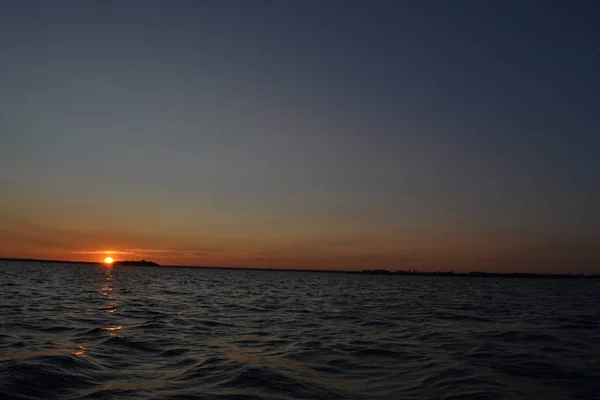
{"type": "Point", "coordinates": [320, 134]}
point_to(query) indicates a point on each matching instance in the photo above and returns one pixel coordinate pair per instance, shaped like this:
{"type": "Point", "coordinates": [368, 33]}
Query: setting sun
{"type": "Point", "coordinates": [108, 260]}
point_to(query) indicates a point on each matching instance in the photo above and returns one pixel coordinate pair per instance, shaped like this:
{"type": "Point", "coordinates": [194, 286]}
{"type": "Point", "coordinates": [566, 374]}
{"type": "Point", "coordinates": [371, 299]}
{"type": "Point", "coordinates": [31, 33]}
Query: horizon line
{"type": "Point", "coordinates": [346, 271]}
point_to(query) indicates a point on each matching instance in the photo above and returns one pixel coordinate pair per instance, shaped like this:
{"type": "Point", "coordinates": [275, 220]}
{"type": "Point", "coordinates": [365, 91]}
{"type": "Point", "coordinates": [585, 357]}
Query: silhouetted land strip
{"type": "Point", "coordinates": [49, 261]}
{"type": "Point", "coordinates": [474, 274]}
{"type": "Point", "coordinates": [142, 263]}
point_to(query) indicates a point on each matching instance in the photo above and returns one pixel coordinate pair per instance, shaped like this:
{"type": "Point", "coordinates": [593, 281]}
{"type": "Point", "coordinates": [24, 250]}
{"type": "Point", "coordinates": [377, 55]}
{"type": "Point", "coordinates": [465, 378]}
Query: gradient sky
{"type": "Point", "coordinates": [452, 135]}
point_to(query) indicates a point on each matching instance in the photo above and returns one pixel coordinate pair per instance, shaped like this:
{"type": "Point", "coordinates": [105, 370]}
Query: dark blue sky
{"type": "Point", "coordinates": [329, 134]}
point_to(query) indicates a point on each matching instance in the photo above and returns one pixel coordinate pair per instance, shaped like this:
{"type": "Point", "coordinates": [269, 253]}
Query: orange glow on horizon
{"type": "Point", "coordinates": [108, 260]}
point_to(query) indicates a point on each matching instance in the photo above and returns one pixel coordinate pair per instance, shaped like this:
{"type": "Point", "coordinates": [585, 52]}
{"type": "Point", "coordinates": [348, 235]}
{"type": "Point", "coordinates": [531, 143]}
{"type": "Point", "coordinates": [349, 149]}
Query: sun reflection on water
{"type": "Point", "coordinates": [106, 293]}
{"type": "Point", "coordinates": [81, 350]}
{"type": "Point", "coordinates": [112, 328]}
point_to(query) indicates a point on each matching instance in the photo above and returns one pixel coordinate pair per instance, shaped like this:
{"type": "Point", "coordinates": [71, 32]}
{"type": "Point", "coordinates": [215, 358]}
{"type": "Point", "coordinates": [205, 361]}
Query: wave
{"type": "Point", "coordinates": [216, 334]}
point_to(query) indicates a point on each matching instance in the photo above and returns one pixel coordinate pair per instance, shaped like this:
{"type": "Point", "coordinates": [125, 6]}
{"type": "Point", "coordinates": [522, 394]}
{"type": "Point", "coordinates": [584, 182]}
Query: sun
{"type": "Point", "coordinates": [108, 260]}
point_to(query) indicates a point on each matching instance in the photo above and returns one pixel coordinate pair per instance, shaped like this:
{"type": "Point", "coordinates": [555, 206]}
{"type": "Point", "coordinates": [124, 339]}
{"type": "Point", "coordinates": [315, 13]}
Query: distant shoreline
{"type": "Point", "coordinates": [473, 274]}
{"type": "Point", "coordinates": [48, 261]}
{"type": "Point", "coordinates": [476, 274]}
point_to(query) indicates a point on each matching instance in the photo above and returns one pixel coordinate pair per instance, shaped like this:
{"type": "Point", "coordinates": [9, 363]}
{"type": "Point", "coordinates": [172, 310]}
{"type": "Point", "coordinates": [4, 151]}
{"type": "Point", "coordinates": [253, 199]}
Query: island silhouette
{"type": "Point", "coordinates": [140, 263]}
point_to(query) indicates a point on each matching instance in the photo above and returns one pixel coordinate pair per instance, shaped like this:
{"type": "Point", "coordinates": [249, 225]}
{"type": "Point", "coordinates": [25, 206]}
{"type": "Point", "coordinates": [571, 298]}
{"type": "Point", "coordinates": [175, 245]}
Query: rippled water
{"type": "Point", "coordinates": [83, 331]}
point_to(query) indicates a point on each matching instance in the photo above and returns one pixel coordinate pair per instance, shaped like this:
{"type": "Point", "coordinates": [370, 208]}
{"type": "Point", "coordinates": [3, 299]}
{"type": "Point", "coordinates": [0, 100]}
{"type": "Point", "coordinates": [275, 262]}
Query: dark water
{"type": "Point", "coordinates": [81, 331]}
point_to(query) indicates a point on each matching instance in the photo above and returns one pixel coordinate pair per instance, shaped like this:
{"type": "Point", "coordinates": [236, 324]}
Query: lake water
{"type": "Point", "coordinates": [84, 331]}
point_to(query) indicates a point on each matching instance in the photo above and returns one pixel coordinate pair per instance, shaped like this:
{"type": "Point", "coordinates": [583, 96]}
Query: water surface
{"type": "Point", "coordinates": [74, 331]}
